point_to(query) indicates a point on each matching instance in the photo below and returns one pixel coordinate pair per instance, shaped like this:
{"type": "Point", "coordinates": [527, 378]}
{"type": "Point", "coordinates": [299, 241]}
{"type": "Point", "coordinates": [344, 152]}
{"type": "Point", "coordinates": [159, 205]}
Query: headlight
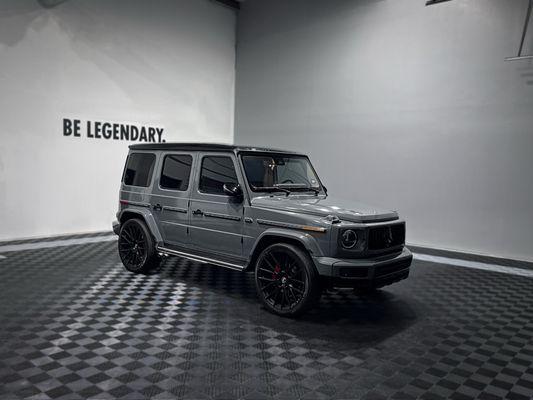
{"type": "Point", "coordinates": [349, 239]}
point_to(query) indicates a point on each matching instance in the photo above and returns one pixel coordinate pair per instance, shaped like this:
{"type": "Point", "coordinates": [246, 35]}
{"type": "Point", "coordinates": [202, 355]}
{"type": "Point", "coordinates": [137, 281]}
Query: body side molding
{"type": "Point", "coordinates": [175, 209]}
{"type": "Point", "coordinates": [221, 216]}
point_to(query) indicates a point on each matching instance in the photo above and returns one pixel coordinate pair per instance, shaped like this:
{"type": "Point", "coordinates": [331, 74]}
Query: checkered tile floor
{"type": "Point", "coordinates": [75, 325]}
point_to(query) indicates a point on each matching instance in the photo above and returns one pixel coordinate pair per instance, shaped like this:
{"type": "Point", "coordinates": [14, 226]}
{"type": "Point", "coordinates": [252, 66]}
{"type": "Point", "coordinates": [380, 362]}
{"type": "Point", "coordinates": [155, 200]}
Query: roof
{"type": "Point", "coordinates": [204, 147]}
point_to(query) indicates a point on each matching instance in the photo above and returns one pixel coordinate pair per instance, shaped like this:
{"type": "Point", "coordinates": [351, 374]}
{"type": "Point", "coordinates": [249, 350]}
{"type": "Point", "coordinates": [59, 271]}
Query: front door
{"type": "Point", "coordinates": [170, 197]}
{"type": "Point", "coordinates": [216, 219]}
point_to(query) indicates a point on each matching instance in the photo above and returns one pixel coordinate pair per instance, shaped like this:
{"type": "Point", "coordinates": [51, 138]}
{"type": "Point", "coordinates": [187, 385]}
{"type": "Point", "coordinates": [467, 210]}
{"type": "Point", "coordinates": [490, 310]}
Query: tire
{"type": "Point", "coordinates": [286, 280]}
{"type": "Point", "coordinates": [136, 247]}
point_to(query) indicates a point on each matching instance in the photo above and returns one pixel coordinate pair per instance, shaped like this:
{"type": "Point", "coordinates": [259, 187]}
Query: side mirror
{"type": "Point", "coordinates": [233, 190]}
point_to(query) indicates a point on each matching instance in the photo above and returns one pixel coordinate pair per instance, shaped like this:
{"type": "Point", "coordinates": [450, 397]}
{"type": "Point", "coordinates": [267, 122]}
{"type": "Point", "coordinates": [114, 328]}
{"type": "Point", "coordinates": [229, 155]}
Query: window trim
{"type": "Point", "coordinates": [124, 169]}
{"type": "Point", "coordinates": [150, 179]}
{"type": "Point", "coordinates": [163, 168]}
{"type": "Point", "coordinates": [222, 155]}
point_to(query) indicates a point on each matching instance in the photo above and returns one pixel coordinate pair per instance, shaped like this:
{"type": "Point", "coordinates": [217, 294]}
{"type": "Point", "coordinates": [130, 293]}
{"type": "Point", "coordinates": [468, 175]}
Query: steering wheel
{"type": "Point", "coordinates": [287, 181]}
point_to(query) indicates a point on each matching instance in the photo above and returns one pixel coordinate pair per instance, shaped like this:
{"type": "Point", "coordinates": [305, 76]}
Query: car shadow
{"type": "Point", "coordinates": [343, 319]}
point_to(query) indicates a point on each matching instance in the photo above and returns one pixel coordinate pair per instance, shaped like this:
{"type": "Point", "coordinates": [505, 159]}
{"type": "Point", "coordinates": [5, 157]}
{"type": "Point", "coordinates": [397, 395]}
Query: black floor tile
{"type": "Point", "coordinates": [75, 324]}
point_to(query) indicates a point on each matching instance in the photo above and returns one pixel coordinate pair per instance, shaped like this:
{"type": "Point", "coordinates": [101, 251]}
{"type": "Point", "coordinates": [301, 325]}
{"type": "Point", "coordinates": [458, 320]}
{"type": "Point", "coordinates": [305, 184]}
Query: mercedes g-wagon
{"type": "Point", "coordinates": [254, 209]}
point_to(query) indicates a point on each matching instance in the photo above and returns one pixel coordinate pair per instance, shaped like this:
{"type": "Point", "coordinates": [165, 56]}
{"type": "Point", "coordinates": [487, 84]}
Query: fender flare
{"type": "Point", "coordinates": [148, 218]}
{"type": "Point", "coordinates": [305, 239]}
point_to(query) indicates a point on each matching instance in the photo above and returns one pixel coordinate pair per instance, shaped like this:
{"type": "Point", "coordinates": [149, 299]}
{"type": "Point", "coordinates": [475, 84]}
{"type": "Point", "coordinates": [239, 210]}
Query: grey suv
{"type": "Point", "coordinates": [254, 209]}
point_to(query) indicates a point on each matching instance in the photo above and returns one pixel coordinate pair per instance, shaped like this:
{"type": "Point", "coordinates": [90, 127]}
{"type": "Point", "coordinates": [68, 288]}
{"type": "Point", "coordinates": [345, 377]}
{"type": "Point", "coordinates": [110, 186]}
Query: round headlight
{"type": "Point", "coordinates": [349, 239]}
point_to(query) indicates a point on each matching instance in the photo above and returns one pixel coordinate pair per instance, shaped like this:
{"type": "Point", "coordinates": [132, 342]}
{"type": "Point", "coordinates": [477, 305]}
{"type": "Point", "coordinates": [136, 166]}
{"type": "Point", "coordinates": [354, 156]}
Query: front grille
{"type": "Point", "coordinates": [386, 237]}
{"type": "Point", "coordinates": [387, 269]}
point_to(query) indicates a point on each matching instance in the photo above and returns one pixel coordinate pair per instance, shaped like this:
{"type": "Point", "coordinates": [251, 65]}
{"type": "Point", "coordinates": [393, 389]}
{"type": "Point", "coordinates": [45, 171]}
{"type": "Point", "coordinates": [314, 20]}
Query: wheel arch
{"type": "Point", "coordinates": [145, 216]}
{"type": "Point", "coordinates": [302, 240]}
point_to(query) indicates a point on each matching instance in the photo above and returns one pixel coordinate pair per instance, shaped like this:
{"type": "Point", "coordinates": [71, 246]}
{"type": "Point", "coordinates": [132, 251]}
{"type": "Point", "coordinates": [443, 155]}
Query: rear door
{"type": "Point", "coordinates": [216, 219]}
{"type": "Point", "coordinates": [170, 196]}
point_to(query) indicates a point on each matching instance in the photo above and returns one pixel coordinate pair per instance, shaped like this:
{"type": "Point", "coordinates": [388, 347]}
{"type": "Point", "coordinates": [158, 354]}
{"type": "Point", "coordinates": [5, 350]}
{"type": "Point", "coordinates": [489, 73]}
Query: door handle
{"type": "Point", "coordinates": [157, 207]}
{"type": "Point", "coordinates": [198, 212]}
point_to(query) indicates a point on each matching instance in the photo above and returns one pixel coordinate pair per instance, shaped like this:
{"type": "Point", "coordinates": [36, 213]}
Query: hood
{"type": "Point", "coordinates": [323, 206]}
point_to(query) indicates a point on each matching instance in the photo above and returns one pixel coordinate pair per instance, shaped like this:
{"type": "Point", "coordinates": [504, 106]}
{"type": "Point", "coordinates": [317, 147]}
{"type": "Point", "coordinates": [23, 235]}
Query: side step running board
{"type": "Point", "coordinates": [201, 259]}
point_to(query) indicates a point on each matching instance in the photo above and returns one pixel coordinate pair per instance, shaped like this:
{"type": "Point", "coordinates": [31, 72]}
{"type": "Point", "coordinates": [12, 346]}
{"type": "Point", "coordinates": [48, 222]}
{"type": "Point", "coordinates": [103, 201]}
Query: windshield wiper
{"type": "Point", "coordinates": [307, 189]}
{"type": "Point", "coordinates": [271, 189]}
{"type": "Point", "coordinates": [287, 188]}
{"type": "Point", "coordinates": [298, 187]}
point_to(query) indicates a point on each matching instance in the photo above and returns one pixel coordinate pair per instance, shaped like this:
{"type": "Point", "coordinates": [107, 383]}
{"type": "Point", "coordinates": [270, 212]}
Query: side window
{"type": "Point", "coordinates": [139, 168]}
{"type": "Point", "coordinates": [216, 171]}
{"type": "Point", "coordinates": [176, 172]}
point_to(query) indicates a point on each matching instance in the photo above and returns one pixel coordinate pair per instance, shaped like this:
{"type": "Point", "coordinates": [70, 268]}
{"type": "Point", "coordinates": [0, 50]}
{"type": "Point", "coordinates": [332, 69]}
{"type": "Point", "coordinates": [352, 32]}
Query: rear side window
{"type": "Point", "coordinates": [139, 168]}
{"type": "Point", "coordinates": [216, 171]}
{"type": "Point", "coordinates": [176, 172]}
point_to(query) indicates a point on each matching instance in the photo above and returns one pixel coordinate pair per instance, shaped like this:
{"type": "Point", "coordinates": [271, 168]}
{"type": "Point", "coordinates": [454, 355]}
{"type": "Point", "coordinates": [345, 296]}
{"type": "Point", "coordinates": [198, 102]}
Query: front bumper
{"type": "Point", "coordinates": [370, 272]}
{"type": "Point", "coordinates": [116, 227]}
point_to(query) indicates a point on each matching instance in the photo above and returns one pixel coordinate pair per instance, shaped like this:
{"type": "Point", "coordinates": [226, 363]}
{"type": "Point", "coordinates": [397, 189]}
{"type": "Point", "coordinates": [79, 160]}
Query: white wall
{"type": "Point", "coordinates": [168, 63]}
{"type": "Point", "coordinates": [400, 105]}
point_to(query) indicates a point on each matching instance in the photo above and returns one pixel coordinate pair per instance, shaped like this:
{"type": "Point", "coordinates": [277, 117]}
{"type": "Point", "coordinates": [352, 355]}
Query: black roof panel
{"type": "Point", "coordinates": [203, 147]}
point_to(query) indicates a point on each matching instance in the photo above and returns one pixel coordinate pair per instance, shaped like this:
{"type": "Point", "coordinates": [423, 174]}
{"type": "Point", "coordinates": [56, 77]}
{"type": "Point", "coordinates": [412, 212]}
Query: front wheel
{"type": "Point", "coordinates": [136, 247]}
{"type": "Point", "coordinates": [286, 280]}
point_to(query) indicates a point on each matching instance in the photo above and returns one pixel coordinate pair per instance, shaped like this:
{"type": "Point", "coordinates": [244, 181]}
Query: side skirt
{"type": "Point", "coordinates": [199, 258]}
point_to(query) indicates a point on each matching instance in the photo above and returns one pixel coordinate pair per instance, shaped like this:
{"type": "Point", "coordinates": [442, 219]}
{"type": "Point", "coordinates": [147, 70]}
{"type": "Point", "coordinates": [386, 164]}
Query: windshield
{"type": "Point", "coordinates": [290, 172]}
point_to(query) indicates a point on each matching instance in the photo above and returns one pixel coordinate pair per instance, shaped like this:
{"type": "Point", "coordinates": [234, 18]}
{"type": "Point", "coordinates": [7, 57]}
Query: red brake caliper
{"type": "Point", "coordinates": [277, 270]}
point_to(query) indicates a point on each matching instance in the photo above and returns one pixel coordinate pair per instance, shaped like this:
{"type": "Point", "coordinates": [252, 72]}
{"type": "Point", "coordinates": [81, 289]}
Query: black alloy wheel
{"type": "Point", "coordinates": [286, 279]}
{"type": "Point", "coordinates": [136, 247]}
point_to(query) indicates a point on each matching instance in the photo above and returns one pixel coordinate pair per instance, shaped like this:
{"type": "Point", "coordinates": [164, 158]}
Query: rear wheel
{"type": "Point", "coordinates": [286, 280]}
{"type": "Point", "coordinates": [136, 247]}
